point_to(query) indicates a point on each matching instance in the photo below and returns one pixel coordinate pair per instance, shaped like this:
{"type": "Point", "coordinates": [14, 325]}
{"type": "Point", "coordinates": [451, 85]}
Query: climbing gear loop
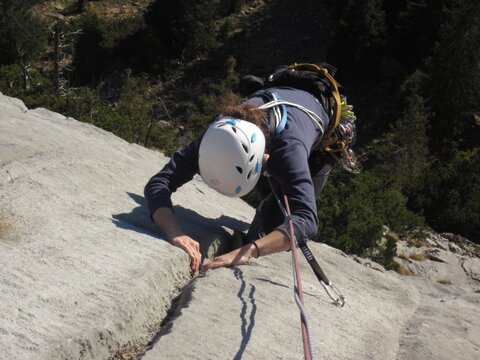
{"type": "Point", "coordinates": [337, 103]}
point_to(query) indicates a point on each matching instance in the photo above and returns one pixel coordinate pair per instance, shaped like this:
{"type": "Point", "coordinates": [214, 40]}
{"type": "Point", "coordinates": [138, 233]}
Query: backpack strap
{"type": "Point", "coordinates": [337, 106]}
{"type": "Point", "coordinates": [277, 114]}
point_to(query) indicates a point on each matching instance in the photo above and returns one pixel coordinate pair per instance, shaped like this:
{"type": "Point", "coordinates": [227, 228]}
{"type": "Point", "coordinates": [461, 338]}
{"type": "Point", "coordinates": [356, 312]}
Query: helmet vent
{"type": "Point", "coordinates": [234, 129]}
{"type": "Point", "coordinates": [245, 147]}
{"type": "Point", "coordinates": [239, 169]}
{"type": "Point", "coordinates": [249, 173]}
{"type": "Point", "coordinates": [251, 158]}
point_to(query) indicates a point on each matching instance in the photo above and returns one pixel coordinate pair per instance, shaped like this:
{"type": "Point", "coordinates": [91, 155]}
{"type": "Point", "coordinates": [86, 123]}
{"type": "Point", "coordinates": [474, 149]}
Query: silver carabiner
{"type": "Point", "coordinates": [334, 294]}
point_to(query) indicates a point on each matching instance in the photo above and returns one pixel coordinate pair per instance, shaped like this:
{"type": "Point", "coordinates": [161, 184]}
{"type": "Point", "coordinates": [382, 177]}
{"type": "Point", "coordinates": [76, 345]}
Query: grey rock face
{"type": "Point", "coordinates": [85, 274]}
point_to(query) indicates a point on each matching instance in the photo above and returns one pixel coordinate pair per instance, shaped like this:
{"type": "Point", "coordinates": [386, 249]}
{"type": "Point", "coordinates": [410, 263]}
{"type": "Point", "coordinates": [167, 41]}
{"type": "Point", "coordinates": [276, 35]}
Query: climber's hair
{"type": "Point", "coordinates": [246, 112]}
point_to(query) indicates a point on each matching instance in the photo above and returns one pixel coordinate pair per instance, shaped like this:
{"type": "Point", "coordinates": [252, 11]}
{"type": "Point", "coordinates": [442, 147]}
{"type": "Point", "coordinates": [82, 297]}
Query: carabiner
{"type": "Point", "coordinates": [334, 294]}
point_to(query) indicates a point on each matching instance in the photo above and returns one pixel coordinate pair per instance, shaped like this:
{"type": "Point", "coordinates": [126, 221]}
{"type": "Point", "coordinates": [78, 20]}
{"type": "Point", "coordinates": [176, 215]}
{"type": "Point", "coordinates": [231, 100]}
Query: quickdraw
{"type": "Point", "coordinates": [334, 294]}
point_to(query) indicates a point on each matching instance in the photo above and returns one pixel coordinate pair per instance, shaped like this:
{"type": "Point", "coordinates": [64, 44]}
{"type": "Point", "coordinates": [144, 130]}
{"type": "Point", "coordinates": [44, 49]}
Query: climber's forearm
{"type": "Point", "coordinates": [274, 242]}
{"type": "Point", "coordinates": [165, 219]}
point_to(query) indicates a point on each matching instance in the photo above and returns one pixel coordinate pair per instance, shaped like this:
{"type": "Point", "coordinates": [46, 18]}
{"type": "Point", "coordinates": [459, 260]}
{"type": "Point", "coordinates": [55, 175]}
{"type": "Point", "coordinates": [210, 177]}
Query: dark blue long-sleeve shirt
{"type": "Point", "coordinates": [288, 164]}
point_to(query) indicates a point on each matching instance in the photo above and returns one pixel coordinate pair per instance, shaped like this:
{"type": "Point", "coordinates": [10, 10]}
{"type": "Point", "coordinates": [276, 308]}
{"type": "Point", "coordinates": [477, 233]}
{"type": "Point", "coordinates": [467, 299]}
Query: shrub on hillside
{"type": "Point", "coordinates": [449, 194]}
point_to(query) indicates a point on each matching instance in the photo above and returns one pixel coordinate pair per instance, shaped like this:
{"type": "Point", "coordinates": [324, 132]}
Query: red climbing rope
{"type": "Point", "coordinates": [298, 281]}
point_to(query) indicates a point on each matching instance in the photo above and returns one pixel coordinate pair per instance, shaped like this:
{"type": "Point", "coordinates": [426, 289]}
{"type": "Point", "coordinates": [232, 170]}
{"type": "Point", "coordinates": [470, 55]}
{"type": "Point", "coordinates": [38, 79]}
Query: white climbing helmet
{"type": "Point", "coordinates": [230, 156]}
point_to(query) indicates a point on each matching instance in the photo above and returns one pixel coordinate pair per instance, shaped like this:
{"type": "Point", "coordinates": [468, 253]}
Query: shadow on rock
{"type": "Point", "coordinates": [138, 219]}
{"type": "Point", "coordinates": [215, 236]}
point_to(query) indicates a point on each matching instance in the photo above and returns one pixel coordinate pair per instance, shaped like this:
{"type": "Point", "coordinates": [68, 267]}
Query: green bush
{"type": "Point", "coordinates": [35, 90]}
{"type": "Point", "coordinates": [212, 99]}
{"type": "Point", "coordinates": [448, 193]}
{"type": "Point", "coordinates": [353, 210]}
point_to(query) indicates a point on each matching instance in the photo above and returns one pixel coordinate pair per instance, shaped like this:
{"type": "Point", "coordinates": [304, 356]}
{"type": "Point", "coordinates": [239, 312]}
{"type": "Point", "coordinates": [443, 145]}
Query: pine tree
{"type": "Point", "coordinates": [360, 32]}
{"type": "Point", "coordinates": [182, 28]}
{"type": "Point", "coordinates": [412, 29]}
{"type": "Point", "coordinates": [454, 84]}
{"type": "Point", "coordinates": [22, 35]}
{"type": "Point", "coordinates": [90, 57]}
{"type": "Point", "coordinates": [410, 131]}
{"type": "Point", "coordinates": [136, 102]}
